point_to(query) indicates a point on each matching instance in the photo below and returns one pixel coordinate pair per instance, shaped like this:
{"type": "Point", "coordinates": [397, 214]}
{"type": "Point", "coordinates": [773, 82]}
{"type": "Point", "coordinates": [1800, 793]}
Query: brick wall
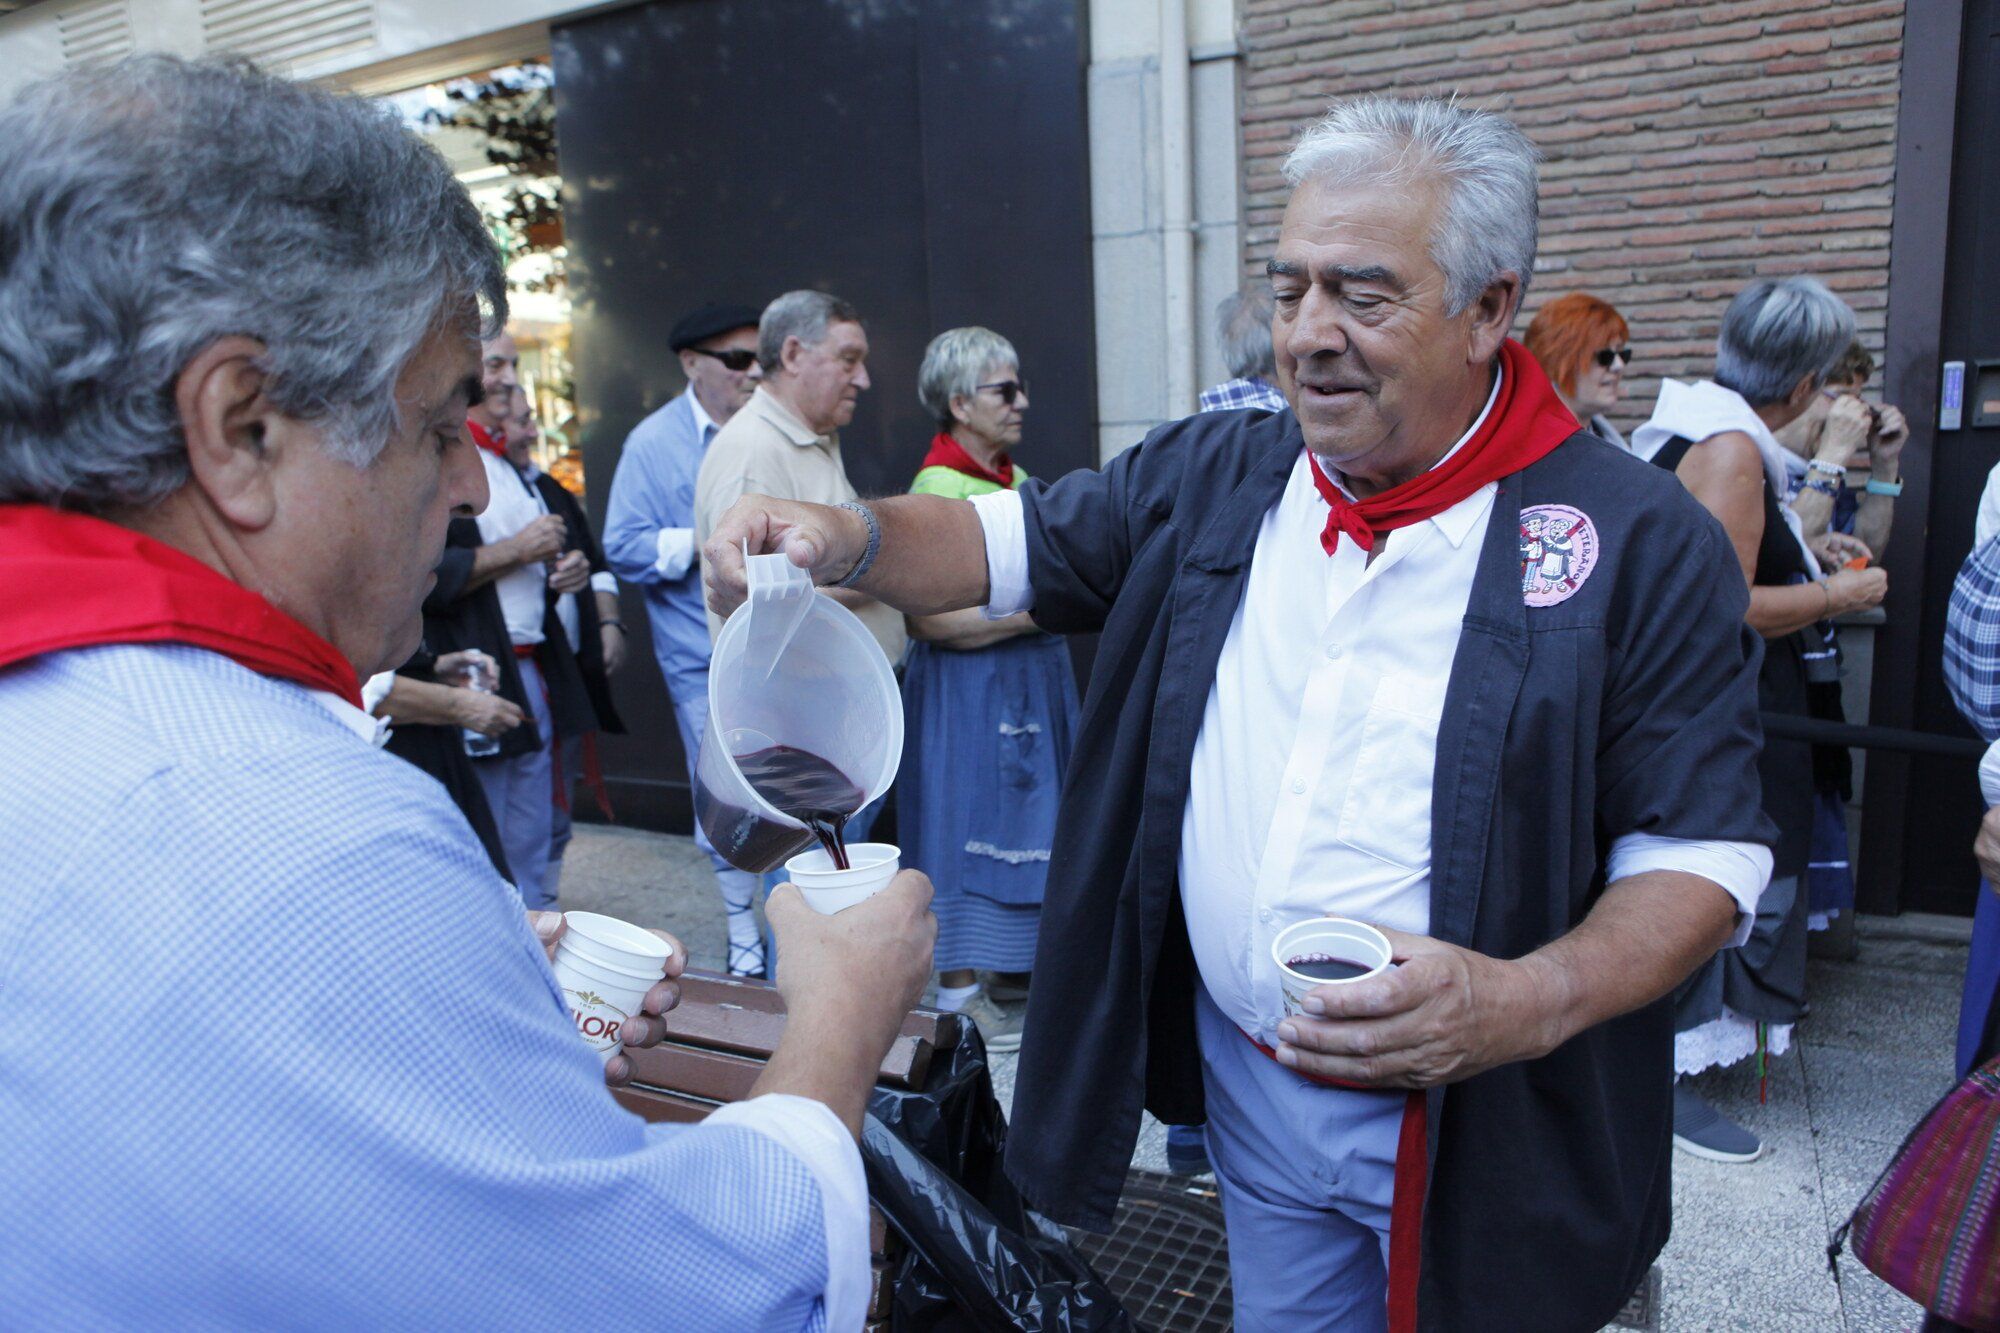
{"type": "Point", "coordinates": [1689, 146]}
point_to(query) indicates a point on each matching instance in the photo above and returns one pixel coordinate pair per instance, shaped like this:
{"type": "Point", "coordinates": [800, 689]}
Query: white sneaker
{"type": "Point", "coordinates": [1000, 1028]}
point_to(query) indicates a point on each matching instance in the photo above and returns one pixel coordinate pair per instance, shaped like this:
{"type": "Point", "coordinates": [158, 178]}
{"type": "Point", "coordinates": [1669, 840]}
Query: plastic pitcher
{"type": "Point", "coordinates": [796, 670]}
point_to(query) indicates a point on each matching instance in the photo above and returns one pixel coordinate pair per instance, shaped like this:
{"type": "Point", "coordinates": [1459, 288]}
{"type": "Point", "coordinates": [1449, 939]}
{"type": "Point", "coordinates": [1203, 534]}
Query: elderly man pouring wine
{"type": "Point", "coordinates": [1332, 684]}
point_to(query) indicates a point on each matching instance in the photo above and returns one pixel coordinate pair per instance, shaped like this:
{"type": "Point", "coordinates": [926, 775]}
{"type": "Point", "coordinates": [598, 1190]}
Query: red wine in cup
{"type": "Point", "coordinates": [799, 783]}
{"type": "Point", "coordinates": [1325, 967]}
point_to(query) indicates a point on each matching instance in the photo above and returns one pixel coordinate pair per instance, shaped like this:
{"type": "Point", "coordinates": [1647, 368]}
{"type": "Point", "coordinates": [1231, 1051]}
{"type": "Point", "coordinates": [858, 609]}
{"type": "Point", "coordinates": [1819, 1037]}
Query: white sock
{"type": "Point", "coordinates": [743, 932]}
{"type": "Point", "coordinates": [739, 889]}
{"type": "Point", "coordinates": [952, 998]}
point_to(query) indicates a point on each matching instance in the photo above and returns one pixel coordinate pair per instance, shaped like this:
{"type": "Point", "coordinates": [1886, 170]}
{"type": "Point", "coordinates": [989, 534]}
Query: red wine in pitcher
{"type": "Point", "coordinates": [799, 783]}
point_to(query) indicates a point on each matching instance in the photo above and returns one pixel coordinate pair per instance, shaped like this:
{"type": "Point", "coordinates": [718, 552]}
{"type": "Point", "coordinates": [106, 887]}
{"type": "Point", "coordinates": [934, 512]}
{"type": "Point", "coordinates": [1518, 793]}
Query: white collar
{"type": "Point", "coordinates": [703, 422]}
{"type": "Point", "coordinates": [1457, 522]}
{"type": "Point", "coordinates": [369, 728]}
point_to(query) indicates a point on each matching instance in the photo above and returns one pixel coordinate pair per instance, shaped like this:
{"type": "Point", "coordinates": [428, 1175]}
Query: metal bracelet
{"type": "Point", "coordinates": [1823, 487]}
{"type": "Point", "coordinates": [867, 559]}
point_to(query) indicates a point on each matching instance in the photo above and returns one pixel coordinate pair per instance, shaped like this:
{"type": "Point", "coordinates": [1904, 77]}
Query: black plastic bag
{"type": "Point", "coordinates": [978, 1258]}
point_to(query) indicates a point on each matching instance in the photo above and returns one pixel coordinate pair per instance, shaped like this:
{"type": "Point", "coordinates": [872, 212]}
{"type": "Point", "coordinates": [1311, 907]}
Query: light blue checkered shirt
{"type": "Point", "coordinates": [1233, 394]}
{"type": "Point", "coordinates": [277, 1049]}
{"type": "Point", "coordinates": [1972, 640]}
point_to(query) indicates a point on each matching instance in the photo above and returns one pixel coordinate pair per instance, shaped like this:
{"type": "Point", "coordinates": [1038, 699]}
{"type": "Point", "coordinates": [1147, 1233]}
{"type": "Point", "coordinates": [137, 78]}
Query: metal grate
{"type": "Point", "coordinates": [96, 33]}
{"type": "Point", "coordinates": [1166, 1259]}
{"type": "Point", "coordinates": [288, 31]}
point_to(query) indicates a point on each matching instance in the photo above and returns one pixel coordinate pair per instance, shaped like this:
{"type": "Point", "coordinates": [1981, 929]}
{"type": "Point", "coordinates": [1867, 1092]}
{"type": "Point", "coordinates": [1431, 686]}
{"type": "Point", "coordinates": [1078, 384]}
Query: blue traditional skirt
{"type": "Point", "coordinates": [986, 737]}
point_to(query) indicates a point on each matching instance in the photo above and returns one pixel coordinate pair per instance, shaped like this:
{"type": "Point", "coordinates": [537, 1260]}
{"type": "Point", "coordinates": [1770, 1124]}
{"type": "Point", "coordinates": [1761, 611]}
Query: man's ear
{"type": "Point", "coordinates": [1492, 314]}
{"type": "Point", "coordinates": [232, 430]}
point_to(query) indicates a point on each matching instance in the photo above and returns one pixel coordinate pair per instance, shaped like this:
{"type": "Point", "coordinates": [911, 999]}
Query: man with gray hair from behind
{"type": "Point", "coordinates": [239, 331]}
{"type": "Point", "coordinates": [1419, 653]}
{"type": "Point", "coordinates": [1243, 327]}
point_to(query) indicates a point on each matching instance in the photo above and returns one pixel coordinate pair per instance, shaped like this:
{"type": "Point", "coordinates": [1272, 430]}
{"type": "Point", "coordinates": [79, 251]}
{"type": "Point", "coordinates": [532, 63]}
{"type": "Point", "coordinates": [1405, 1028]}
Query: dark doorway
{"type": "Point", "coordinates": [1922, 811]}
{"type": "Point", "coordinates": [924, 159]}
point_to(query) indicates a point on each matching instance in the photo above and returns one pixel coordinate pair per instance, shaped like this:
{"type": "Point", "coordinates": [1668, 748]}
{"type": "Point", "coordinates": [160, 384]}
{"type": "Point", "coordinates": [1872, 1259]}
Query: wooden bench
{"type": "Point", "coordinates": [718, 1039]}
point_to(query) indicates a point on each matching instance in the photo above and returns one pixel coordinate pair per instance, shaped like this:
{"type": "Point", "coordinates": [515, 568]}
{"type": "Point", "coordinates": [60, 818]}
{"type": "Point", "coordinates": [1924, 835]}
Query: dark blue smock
{"type": "Point", "coordinates": [1628, 708]}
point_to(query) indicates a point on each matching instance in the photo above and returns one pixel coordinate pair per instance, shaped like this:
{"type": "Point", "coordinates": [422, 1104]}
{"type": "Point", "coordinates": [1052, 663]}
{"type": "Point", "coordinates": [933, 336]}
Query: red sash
{"type": "Point", "coordinates": [1527, 421]}
{"type": "Point", "coordinates": [74, 581]}
{"type": "Point", "coordinates": [1406, 1203]}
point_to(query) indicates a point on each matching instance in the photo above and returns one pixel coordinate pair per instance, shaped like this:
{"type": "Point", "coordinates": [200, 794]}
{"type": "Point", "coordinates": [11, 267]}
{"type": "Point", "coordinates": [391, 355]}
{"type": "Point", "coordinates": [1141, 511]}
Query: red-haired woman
{"type": "Point", "coordinates": [1582, 344]}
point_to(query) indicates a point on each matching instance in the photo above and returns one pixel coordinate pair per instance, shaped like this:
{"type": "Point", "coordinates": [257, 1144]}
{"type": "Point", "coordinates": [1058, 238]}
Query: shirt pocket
{"type": "Point", "coordinates": [1387, 813]}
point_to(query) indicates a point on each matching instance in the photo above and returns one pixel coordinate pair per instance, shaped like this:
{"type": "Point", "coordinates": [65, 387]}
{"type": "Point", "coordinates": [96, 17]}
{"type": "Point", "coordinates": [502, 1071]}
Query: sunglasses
{"type": "Point", "coordinates": [736, 358]}
{"type": "Point", "coordinates": [1008, 390]}
{"type": "Point", "coordinates": [1622, 355]}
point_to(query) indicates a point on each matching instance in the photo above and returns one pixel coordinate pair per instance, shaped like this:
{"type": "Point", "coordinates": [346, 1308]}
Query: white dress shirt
{"type": "Point", "coordinates": [513, 504]}
{"type": "Point", "coordinates": [1310, 788]}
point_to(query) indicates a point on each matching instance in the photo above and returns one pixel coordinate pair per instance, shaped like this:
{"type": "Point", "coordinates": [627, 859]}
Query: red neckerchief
{"type": "Point", "coordinates": [492, 441]}
{"type": "Point", "coordinates": [74, 581]}
{"type": "Point", "coordinates": [947, 452]}
{"type": "Point", "coordinates": [1527, 420]}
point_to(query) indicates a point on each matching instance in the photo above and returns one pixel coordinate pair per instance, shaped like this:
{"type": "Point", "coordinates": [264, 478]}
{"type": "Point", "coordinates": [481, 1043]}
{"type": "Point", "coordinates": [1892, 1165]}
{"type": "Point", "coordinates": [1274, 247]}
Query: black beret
{"type": "Point", "coordinates": [708, 322]}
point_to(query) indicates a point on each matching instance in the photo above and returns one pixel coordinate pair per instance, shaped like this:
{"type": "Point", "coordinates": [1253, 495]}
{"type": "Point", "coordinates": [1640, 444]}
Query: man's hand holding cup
{"type": "Point", "coordinates": [645, 1026]}
{"type": "Point", "coordinates": [849, 980]}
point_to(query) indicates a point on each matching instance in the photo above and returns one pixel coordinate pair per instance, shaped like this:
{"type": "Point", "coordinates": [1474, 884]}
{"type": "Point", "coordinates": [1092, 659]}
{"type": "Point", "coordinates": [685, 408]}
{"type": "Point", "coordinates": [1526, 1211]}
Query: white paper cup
{"type": "Point", "coordinates": [612, 943]}
{"type": "Point", "coordinates": [605, 967]}
{"type": "Point", "coordinates": [1327, 937]}
{"type": "Point", "coordinates": [827, 890]}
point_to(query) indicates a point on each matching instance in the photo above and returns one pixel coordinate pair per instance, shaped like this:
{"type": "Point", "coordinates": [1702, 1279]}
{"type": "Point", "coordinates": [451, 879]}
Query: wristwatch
{"type": "Point", "coordinates": [1892, 489]}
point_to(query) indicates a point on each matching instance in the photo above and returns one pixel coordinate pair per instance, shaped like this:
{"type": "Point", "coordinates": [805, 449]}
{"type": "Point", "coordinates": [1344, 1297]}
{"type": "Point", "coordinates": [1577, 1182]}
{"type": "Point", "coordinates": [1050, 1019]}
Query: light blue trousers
{"type": "Point", "coordinates": [1307, 1174]}
{"type": "Point", "coordinates": [522, 793]}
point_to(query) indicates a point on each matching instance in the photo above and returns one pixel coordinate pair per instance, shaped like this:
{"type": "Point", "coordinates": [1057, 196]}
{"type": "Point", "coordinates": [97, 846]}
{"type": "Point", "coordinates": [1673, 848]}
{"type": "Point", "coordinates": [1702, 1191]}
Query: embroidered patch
{"type": "Point", "coordinates": [1558, 551]}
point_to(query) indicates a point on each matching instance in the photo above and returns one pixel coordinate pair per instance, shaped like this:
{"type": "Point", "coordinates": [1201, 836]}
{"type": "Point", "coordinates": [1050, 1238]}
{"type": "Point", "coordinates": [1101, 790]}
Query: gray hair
{"type": "Point", "coordinates": [1489, 216]}
{"type": "Point", "coordinates": [1243, 324]}
{"type": "Point", "coordinates": [953, 364]}
{"type": "Point", "coordinates": [804, 315]}
{"type": "Point", "coordinates": [1778, 331]}
{"type": "Point", "coordinates": [151, 207]}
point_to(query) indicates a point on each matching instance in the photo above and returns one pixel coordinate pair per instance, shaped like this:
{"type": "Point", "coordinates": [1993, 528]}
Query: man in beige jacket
{"type": "Point", "coordinates": [785, 441]}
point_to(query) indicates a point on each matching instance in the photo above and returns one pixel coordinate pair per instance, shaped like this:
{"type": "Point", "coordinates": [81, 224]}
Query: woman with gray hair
{"type": "Point", "coordinates": [1779, 340]}
{"type": "Point", "coordinates": [989, 708]}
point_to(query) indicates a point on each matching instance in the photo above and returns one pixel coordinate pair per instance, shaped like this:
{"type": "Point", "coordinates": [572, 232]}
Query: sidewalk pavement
{"type": "Point", "coordinates": [1749, 1243]}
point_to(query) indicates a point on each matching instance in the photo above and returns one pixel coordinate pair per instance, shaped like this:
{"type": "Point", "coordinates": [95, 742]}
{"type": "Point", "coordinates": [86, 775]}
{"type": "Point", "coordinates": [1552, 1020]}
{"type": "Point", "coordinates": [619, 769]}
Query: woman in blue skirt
{"type": "Point", "coordinates": [989, 709]}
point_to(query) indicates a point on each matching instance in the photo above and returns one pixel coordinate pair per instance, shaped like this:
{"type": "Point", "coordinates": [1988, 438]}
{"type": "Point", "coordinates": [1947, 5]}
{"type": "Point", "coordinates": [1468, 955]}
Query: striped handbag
{"type": "Point", "coordinates": [1930, 1227]}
